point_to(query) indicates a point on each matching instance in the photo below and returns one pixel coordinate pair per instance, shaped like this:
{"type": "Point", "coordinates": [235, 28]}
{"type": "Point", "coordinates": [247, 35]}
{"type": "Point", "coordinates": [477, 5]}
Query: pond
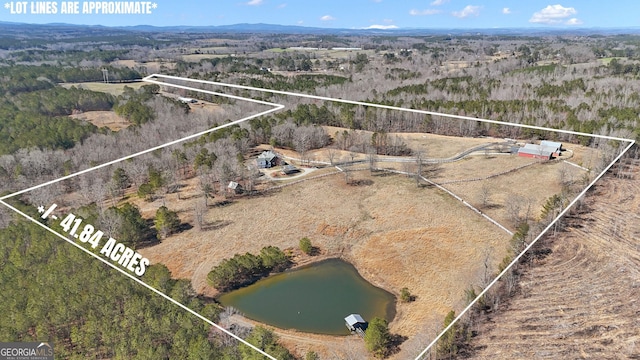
{"type": "Point", "coordinates": [315, 298]}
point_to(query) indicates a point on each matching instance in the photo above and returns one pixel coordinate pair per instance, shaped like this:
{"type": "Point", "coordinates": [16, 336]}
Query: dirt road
{"type": "Point", "coordinates": [329, 347]}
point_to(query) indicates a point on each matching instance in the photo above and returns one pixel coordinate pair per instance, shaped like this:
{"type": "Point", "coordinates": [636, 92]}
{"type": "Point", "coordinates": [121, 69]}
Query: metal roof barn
{"type": "Point", "coordinates": [535, 151]}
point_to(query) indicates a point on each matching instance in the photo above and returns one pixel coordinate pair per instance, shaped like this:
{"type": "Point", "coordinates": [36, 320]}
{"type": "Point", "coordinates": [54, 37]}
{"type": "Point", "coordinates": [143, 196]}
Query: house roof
{"type": "Point", "coordinates": [354, 319]}
{"type": "Point", "coordinates": [268, 155]}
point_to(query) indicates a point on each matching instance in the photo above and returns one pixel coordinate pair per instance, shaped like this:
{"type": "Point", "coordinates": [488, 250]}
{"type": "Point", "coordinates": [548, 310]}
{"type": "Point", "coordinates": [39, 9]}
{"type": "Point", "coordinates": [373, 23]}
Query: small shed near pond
{"type": "Point", "coordinates": [355, 323]}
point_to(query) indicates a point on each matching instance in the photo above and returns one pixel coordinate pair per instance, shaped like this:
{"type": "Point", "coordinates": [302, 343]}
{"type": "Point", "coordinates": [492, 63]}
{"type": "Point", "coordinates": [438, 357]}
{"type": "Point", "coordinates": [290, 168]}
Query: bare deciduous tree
{"type": "Point", "coordinates": [206, 182]}
{"type": "Point", "coordinates": [110, 222]}
{"type": "Point", "coordinates": [515, 204]}
{"type": "Point", "coordinates": [372, 159]}
{"type": "Point", "coordinates": [484, 195]}
{"type": "Point", "coordinates": [331, 154]}
{"type": "Point", "coordinates": [199, 209]}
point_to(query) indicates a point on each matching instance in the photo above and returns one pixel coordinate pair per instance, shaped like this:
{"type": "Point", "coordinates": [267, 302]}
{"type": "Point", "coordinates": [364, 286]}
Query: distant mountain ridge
{"type": "Point", "coordinates": [261, 28]}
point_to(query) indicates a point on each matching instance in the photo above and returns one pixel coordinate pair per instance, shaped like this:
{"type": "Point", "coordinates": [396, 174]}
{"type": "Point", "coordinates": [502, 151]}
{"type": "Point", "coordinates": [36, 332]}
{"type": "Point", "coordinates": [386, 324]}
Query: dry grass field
{"type": "Point", "coordinates": [204, 107]}
{"type": "Point", "coordinates": [104, 118]}
{"type": "Point", "coordinates": [396, 233]}
{"type": "Point", "coordinates": [431, 145]}
{"type": "Point", "coordinates": [198, 57]}
{"type": "Point", "coordinates": [113, 89]}
{"type": "Point", "coordinates": [531, 185]}
{"type": "Point", "coordinates": [581, 301]}
{"type": "Point", "coordinates": [529, 179]}
{"type": "Point", "coordinates": [391, 230]}
{"type": "Point", "coordinates": [324, 53]}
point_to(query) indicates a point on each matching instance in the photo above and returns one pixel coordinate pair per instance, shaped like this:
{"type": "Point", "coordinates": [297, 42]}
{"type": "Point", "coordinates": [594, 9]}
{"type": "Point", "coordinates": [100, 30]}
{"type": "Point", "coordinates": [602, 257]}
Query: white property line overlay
{"type": "Point", "coordinates": [631, 143]}
{"type": "Point", "coordinates": [136, 279]}
{"type": "Point", "coordinates": [276, 108]}
{"type": "Point", "coordinates": [388, 107]}
{"type": "Point", "coordinates": [566, 209]}
{"type": "Point", "coordinates": [280, 107]}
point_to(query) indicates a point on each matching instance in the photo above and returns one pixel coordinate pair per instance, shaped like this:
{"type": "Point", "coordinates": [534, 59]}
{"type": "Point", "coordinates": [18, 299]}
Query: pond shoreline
{"type": "Point", "coordinates": [313, 297]}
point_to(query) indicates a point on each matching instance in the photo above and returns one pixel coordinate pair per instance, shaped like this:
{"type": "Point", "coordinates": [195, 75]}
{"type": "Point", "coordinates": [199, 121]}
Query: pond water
{"type": "Point", "coordinates": [315, 298]}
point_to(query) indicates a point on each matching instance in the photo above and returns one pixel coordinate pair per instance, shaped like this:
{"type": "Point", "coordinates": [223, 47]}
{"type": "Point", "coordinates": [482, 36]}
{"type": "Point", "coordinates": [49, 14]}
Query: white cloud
{"type": "Point", "coordinates": [438, 2]}
{"type": "Point", "coordinates": [300, 22]}
{"type": "Point", "coordinates": [381, 27]}
{"type": "Point", "coordinates": [282, 6]}
{"type": "Point", "coordinates": [388, 21]}
{"type": "Point", "coordinates": [574, 21]}
{"type": "Point", "coordinates": [377, 1]}
{"type": "Point", "coordinates": [469, 10]}
{"type": "Point", "coordinates": [506, 11]}
{"type": "Point", "coordinates": [415, 12]}
{"type": "Point", "coordinates": [255, 2]}
{"type": "Point", "coordinates": [327, 18]}
{"type": "Point", "coordinates": [552, 15]}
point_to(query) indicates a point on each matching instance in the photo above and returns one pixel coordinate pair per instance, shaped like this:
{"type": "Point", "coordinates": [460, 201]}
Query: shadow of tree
{"type": "Point", "coordinates": [215, 225]}
{"type": "Point", "coordinates": [394, 344]}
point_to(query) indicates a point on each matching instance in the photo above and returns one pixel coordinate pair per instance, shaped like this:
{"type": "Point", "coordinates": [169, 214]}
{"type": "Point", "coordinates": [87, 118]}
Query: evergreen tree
{"type": "Point", "coordinates": [448, 342]}
{"type": "Point", "coordinates": [133, 228]}
{"type": "Point", "coordinates": [377, 338]}
{"type": "Point", "coordinates": [166, 221]}
{"type": "Point", "coordinates": [264, 339]}
{"type": "Point", "coordinates": [120, 180]}
{"type": "Point", "coordinates": [305, 245]}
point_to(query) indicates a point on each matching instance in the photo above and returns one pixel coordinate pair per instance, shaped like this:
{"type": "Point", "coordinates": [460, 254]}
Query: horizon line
{"type": "Point", "coordinates": [562, 28]}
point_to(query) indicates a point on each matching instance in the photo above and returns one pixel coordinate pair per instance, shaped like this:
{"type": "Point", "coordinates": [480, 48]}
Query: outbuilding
{"type": "Point", "coordinates": [555, 147]}
{"type": "Point", "coordinates": [535, 151]}
{"type": "Point", "coordinates": [187, 100]}
{"type": "Point", "coordinates": [355, 323]}
{"type": "Point", "coordinates": [234, 187]}
{"type": "Point", "coordinates": [289, 169]}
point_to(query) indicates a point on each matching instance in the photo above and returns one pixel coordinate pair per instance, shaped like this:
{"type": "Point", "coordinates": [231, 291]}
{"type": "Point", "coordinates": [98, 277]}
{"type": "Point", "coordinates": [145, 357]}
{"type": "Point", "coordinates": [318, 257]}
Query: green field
{"type": "Point", "coordinates": [607, 60]}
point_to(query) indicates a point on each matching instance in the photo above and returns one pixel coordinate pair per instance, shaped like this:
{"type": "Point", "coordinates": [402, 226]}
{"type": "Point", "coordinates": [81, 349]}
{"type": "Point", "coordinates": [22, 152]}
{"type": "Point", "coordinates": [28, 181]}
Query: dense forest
{"type": "Point", "coordinates": [51, 290]}
{"type": "Point", "coordinates": [35, 112]}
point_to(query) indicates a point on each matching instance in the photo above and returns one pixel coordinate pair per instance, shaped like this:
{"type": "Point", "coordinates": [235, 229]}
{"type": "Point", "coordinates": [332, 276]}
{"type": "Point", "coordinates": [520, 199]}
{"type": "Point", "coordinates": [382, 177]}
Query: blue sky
{"type": "Point", "coordinates": [358, 13]}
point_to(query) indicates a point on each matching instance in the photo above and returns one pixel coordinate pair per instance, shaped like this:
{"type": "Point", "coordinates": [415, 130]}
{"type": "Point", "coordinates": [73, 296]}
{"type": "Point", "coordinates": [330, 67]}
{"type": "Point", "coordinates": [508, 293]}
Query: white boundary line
{"type": "Point", "coordinates": [388, 107]}
{"type": "Point", "coordinates": [136, 279]}
{"type": "Point", "coordinates": [566, 209]}
{"type": "Point", "coordinates": [631, 143]}
{"type": "Point", "coordinates": [279, 107]}
{"type": "Point", "coordinates": [576, 165]}
{"type": "Point", "coordinates": [276, 108]}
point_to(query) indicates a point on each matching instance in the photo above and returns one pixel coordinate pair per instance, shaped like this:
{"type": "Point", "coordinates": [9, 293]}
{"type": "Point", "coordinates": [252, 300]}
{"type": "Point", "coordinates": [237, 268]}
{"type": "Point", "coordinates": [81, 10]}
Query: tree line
{"type": "Point", "coordinates": [26, 78]}
{"type": "Point", "coordinates": [242, 270]}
